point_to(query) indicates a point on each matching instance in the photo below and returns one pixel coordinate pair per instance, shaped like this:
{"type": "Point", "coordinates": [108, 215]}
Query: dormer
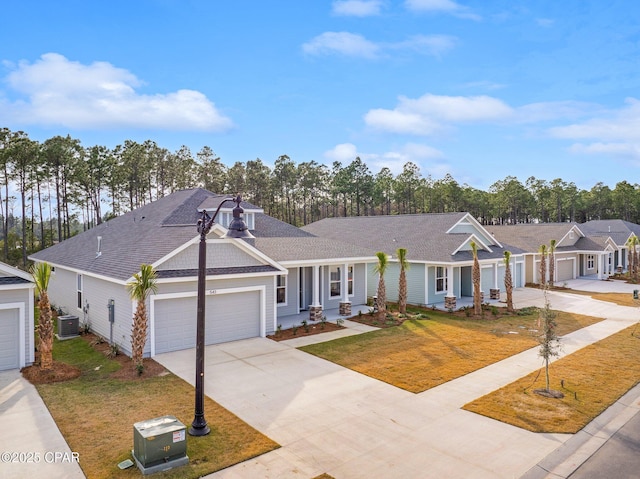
{"type": "Point", "coordinates": [225, 215]}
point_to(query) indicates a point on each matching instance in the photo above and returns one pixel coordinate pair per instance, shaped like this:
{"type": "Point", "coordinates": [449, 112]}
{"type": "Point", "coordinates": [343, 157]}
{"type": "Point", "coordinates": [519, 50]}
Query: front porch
{"type": "Point", "coordinates": [332, 315]}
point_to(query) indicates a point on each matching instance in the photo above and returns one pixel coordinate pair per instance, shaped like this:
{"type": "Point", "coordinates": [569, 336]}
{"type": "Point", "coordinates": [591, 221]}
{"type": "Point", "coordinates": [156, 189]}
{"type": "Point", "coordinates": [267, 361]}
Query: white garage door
{"type": "Point", "coordinates": [565, 271]}
{"type": "Point", "coordinates": [9, 339]}
{"type": "Point", "coordinates": [229, 317]}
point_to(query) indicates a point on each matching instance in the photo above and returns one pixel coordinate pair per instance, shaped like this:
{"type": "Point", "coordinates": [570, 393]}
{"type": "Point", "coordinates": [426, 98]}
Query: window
{"type": "Point", "coordinates": [350, 280]}
{"type": "Point", "coordinates": [334, 281]}
{"type": "Point", "coordinates": [590, 261]}
{"type": "Point", "coordinates": [441, 279]}
{"type": "Point", "coordinates": [79, 286]}
{"type": "Point", "coordinates": [281, 289]}
{"type": "Point", "coordinates": [225, 217]}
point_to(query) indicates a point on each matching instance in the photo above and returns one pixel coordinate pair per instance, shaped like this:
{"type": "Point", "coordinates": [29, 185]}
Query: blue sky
{"type": "Point", "coordinates": [480, 89]}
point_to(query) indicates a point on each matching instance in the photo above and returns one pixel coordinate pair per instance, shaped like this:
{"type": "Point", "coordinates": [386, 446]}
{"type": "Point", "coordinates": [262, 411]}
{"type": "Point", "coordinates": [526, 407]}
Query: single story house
{"type": "Point", "coordinates": [581, 249]}
{"type": "Point", "coordinates": [438, 251]}
{"type": "Point", "coordinates": [16, 318]}
{"type": "Point", "coordinates": [251, 284]}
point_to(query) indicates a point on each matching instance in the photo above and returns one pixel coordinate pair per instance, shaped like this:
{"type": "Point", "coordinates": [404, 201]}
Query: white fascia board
{"type": "Point", "coordinates": [13, 271]}
{"type": "Point", "coordinates": [8, 287]}
{"type": "Point", "coordinates": [473, 237]}
{"type": "Point", "coordinates": [187, 279]}
{"type": "Point", "coordinates": [328, 261]}
{"type": "Point", "coordinates": [469, 217]}
{"type": "Point", "coordinates": [87, 273]}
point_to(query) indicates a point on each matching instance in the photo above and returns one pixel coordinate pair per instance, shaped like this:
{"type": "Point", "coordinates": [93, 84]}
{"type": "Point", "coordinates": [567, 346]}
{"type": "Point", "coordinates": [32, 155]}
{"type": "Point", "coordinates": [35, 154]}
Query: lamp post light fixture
{"type": "Point", "coordinates": [237, 229]}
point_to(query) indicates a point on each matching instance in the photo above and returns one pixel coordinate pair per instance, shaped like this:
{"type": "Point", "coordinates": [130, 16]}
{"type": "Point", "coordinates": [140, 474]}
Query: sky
{"type": "Point", "coordinates": [479, 89]}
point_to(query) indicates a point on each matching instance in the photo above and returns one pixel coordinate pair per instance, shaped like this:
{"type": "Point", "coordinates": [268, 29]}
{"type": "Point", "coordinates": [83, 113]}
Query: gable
{"type": "Point", "coordinates": [468, 225]}
{"type": "Point", "coordinates": [219, 255]}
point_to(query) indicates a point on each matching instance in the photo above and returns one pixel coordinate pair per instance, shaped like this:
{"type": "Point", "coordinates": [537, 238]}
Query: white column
{"type": "Point", "coordinates": [600, 264]}
{"type": "Point", "coordinates": [344, 279]}
{"type": "Point", "coordinates": [495, 276]}
{"type": "Point", "coordinates": [450, 280]}
{"type": "Point", "coordinates": [316, 285]}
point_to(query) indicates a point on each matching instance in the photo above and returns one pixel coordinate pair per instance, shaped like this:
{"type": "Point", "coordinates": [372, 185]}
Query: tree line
{"type": "Point", "coordinates": [50, 190]}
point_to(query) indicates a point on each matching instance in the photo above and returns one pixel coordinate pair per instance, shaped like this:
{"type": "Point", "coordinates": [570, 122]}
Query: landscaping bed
{"type": "Point", "coordinates": [96, 411]}
{"type": "Point", "coordinates": [302, 330]}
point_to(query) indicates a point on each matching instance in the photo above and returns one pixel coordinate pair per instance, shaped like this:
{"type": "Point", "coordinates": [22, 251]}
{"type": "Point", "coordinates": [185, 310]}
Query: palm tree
{"type": "Point", "coordinates": [631, 244]}
{"type": "Point", "coordinates": [139, 288]}
{"type": "Point", "coordinates": [381, 268]}
{"type": "Point", "coordinates": [552, 262]}
{"type": "Point", "coordinates": [41, 273]}
{"type": "Point", "coordinates": [475, 277]}
{"type": "Point", "coordinates": [543, 265]}
{"type": "Point", "coordinates": [402, 283]}
{"type": "Point", "coordinates": [508, 281]}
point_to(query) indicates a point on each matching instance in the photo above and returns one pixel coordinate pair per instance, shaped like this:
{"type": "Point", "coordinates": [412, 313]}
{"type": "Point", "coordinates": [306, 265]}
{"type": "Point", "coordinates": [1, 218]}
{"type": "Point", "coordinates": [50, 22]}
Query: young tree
{"type": "Point", "coordinates": [549, 344]}
{"type": "Point", "coordinates": [508, 280]}
{"type": "Point", "coordinates": [402, 283]}
{"type": "Point", "coordinates": [139, 288]}
{"type": "Point", "coordinates": [381, 268]}
{"type": "Point", "coordinates": [552, 262]}
{"type": "Point", "coordinates": [475, 278]}
{"type": "Point", "coordinates": [543, 265]}
{"type": "Point", "coordinates": [41, 273]}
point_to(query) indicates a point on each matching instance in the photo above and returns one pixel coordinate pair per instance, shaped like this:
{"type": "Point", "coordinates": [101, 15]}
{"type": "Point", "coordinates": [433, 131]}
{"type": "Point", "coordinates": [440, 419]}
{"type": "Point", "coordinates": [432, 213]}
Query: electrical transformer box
{"type": "Point", "coordinates": [159, 444]}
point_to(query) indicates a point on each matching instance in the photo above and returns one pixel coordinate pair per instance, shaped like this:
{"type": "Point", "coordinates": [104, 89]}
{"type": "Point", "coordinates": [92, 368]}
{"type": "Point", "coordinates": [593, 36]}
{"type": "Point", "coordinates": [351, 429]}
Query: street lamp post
{"type": "Point", "coordinates": [237, 229]}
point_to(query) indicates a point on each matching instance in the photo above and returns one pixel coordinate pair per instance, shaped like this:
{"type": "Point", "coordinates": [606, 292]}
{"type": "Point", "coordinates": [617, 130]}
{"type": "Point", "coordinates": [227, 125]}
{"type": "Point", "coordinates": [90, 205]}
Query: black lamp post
{"type": "Point", "coordinates": [237, 229]}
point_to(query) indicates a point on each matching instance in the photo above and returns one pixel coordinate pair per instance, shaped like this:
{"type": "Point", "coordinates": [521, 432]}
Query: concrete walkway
{"type": "Point", "coordinates": [330, 419]}
{"type": "Point", "coordinates": [31, 445]}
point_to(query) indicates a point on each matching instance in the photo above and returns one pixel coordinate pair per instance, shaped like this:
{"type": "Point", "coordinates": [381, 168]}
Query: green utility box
{"type": "Point", "coordinates": [159, 444]}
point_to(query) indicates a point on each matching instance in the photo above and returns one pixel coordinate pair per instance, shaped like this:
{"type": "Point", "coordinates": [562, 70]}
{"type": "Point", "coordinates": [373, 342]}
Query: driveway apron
{"type": "Point", "coordinates": [329, 419]}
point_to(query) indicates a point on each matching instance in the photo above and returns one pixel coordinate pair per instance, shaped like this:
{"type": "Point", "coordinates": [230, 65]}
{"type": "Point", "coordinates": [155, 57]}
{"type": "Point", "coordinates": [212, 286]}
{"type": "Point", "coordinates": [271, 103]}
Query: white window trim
{"type": "Point", "coordinates": [79, 290]}
{"type": "Point", "coordinates": [591, 259]}
{"type": "Point", "coordinates": [445, 283]}
{"type": "Point", "coordinates": [332, 281]}
{"type": "Point", "coordinates": [286, 295]}
{"type": "Point", "coordinates": [339, 281]}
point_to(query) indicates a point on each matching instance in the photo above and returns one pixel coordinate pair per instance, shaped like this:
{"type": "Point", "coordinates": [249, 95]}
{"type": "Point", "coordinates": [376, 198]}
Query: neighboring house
{"type": "Point", "coordinates": [615, 233]}
{"type": "Point", "coordinates": [580, 251]}
{"type": "Point", "coordinates": [438, 250]}
{"type": "Point", "coordinates": [16, 318]}
{"type": "Point", "coordinates": [250, 284]}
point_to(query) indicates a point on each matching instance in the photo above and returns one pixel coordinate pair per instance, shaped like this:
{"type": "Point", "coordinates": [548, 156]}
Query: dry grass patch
{"type": "Point", "coordinates": [622, 299]}
{"type": "Point", "coordinates": [421, 354]}
{"type": "Point", "coordinates": [593, 377]}
{"type": "Point", "coordinates": [96, 413]}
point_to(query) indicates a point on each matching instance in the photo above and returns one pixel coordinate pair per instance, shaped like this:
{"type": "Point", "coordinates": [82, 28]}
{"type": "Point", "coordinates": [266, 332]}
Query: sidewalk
{"type": "Point", "coordinates": [30, 444]}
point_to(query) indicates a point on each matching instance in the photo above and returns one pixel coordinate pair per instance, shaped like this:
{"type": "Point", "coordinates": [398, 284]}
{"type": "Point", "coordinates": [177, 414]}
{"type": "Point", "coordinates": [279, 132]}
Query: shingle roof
{"type": "Point", "coordinates": [187, 273]}
{"type": "Point", "coordinates": [529, 236]}
{"type": "Point", "coordinates": [424, 236]}
{"type": "Point", "coordinates": [155, 230]}
{"type": "Point", "coordinates": [618, 230]}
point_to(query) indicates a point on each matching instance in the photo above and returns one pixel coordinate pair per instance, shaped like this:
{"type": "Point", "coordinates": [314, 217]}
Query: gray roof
{"type": "Point", "coordinates": [529, 236]}
{"type": "Point", "coordinates": [424, 236]}
{"type": "Point", "coordinates": [155, 230]}
{"type": "Point", "coordinates": [618, 230]}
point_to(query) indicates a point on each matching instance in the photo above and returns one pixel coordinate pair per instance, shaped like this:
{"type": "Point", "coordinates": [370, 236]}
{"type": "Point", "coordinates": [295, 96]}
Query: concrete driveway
{"type": "Point", "coordinates": [31, 445]}
{"type": "Point", "coordinates": [330, 419]}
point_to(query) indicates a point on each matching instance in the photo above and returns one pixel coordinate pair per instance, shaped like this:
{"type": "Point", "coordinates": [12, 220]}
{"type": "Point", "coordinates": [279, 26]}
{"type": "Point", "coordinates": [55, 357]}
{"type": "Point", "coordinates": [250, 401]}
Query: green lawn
{"type": "Point", "coordinates": [96, 413]}
{"type": "Point", "coordinates": [421, 354]}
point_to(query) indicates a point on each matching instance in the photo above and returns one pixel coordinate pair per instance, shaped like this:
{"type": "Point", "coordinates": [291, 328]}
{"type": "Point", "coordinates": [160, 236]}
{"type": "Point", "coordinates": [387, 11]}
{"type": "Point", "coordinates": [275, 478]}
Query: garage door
{"type": "Point", "coordinates": [9, 339]}
{"type": "Point", "coordinates": [565, 270]}
{"type": "Point", "coordinates": [229, 317]}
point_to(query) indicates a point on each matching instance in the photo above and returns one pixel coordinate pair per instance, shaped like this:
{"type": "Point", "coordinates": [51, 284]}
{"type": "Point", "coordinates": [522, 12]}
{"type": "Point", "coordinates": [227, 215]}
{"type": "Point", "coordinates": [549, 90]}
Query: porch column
{"type": "Point", "coordinates": [600, 265]}
{"type": "Point", "coordinates": [345, 304]}
{"type": "Point", "coordinates": [494, 293]}
{"type": "Point", "coordinates": [450, 298]}
{"type": "Point", "coordinates": [619, 262]}
{"type": "Point", "coordinates": [315, 310]}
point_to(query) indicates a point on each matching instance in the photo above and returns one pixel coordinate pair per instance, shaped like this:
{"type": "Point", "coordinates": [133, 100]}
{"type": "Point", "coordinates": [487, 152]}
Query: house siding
{"type": "Point", "coordinates": [219, 254]}
{"type": "Point", "coordinates": [291, 306]}
{"type": "Point", "coordinates": [23, 294]}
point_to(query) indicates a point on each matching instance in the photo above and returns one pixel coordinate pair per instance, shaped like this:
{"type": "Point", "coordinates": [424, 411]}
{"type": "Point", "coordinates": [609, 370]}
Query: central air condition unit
{"type": "Point", "coordinates": [159, 444]}
{"type": "Point", "coordinates": [68, 326]}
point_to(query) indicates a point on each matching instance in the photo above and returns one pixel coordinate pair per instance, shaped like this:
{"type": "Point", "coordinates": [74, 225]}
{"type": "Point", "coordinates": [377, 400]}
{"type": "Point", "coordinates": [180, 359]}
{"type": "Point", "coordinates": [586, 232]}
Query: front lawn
{"type": "Point", "coordinates": [422, 353]}
{"type": "Point", "coordinates": [592, 379]}
{"type": "Point", "coordinates": [96, 413]}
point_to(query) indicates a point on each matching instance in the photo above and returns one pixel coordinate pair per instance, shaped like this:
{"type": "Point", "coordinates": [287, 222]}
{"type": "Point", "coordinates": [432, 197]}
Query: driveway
{"type": "Point", "coordinates": [30, 444]}
{"type": "Point", "coordinates": [330, 419]}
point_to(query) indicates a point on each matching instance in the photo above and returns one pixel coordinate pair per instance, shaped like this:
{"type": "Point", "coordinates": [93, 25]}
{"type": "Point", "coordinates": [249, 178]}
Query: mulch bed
{"type": "Point", "coordinates": [58, 373]}
{"type": "Point", "coordinates": [300, 331]}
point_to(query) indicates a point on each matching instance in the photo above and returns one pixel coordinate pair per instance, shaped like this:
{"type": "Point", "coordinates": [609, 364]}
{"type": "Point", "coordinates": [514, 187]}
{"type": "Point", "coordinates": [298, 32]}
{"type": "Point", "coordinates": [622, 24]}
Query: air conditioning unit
{"type": "Point", "coordinates": [68, 326]}
{"type": "Point", "coordinates": [159, 444]}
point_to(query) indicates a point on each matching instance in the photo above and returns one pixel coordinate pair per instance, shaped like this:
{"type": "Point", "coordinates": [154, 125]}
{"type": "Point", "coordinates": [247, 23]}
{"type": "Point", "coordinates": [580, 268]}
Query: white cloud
{"type": "Point", "coordinates": [63, 92]}
{"type": "Point", "coordinates": [430, 114]}
{"type": "Point", "coordinates": [354, 45]}
{"type": "Point", "coordinates": [615, 149]}
{"type": "Point", "coordinates": [445, 6]}
{"type": "Point", "coordinates": [545, 22]}
{"type": "Point", "coordinates": [345, 43]}
{"type": "Point", "coordinates": [357, 8]}
{"type": "Point", "coordinates": [394, 160]}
